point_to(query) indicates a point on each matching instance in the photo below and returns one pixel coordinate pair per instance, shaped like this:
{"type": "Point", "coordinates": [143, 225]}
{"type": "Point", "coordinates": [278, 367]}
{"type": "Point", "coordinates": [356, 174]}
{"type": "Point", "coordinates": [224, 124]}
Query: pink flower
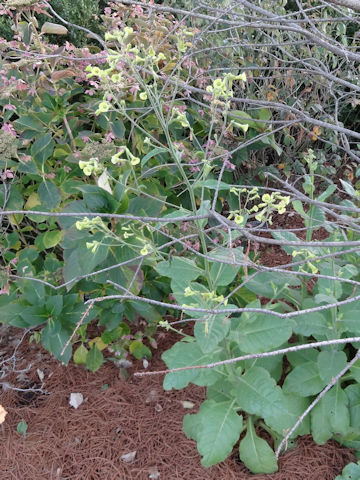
{"type": "Point", "coordinates": [85, 138]}
{"type": "Point", "coordinates": [107, 11]}
{"type": "Point", "coordinates": [67, 169]}
{"type": "Point", "coordinates": [7, 174]}
{"type": "Point", "coordinates": [50, 175]}
{"type": "Point", "coordinates": [109, 136]}
{"type": "Point", "coordinates": [90, 92]}
{"type": "Point", "coordinates": [9, 106]}
{"type": "Point", "coordinates": [8, 128]}
{"type": "Point", "coordinates": [229, 165]}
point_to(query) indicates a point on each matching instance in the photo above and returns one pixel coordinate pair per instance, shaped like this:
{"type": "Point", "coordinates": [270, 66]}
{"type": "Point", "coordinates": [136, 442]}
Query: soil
{"type": "Point", "coordinates": [121, 416]}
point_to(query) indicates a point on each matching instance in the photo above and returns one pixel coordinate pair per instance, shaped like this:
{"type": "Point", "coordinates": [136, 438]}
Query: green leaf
{"type": "Point", "coordinates": [256, 453]}
{"type": "Point", "coordinates": [349, 189]}
{"type": "Point", "coordinates": [271, 286]}
{"type": "Point", "coordinates": [320, 424]}
{"type": "Point", "coordinates": [304, 380]}
{"type": "Point", "coordinates": [189, 354]}
{"type": "Point", "coordinates": [81, 260]}
{"type": "Point", "coordinates": [27, 122]}
{"type": "Point", "coordinates": [52, 238]}
{"type": "Point", "coordinates": [331, 415]}
{"type": "Point", "coordinates": [336, 404]}
{"type": "Point", "coordinates": [211, 330]}
{"type": "Point", "coordinates": [314, 323]}
{"type": "Point", "coordinates": [353, 395]}
{"type": "Point", "coordinates": [257, 392]}
{"type": "Point", "coordinates": [97, 199]}
{"type": "Point", "coordinates": [54, 338]}
{"type": "Point", "coordinates": [330, 363]}
{"type": "Point", "coordinates": [203, 210]}
{"type": "Point", "coordinates": [49, 195]}
{"type": "Point", "coordinates": [350, 472]}
{"type": "Point", "coordinates": [139, 350]}
{"type": "Point", "coordinates": [223, 274]}
{"type": "Point", "coordinates": [151, 154]}
{"type": "Point", "coordinates": [22, 428]}
{"type": "Point", "coordinates": [42, 148]}
{"type": "Point", "coordinates": [219, 429]}
{"type": "Point", "coordinates": [118, 128]}
{"type": "Point", "coordinates": [179, 269]}
{"type": "Point", "coordinates": [262, 334]}
{"type": "Point", "coordinates": [80, 355]}
{"type": "Point", "coordinates": [94, 358]}
{"type": "Point", "coordinates": [348, 318]}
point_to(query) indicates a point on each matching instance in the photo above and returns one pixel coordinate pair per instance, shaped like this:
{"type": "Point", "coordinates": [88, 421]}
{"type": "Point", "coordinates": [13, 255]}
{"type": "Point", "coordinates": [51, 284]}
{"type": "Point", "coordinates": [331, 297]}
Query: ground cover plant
{"type": "Point", "coordinates": [140, 181]}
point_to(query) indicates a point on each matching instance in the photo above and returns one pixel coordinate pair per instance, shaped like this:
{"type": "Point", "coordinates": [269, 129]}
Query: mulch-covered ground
{"type": "Point", "coordinates": [117, 417]}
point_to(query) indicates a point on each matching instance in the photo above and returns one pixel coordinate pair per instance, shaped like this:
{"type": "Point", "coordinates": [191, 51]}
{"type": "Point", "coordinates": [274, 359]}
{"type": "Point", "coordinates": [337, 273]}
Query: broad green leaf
{"type": "Point", "coordinates": [328, 287]}
{"type": "Point", "coordinates": [42, 148]}
{"type": "Point", "coordinates": [22, 316]}
{"type": "Point", "coordinates": [189, 354]}
{"type": "Point", "coordinates": [179, 269]}
{"type": "Point", "coordinates": [355, 371]}
{"type": "Point", "coordinates": [336, 403]}
{"type": "Point", "coordinates": [257, 392]}
{"type": "Point", "coordinates": [27, 122]}
{"type": "Point", "coordinates": [353, 395]}
{"type": "Point", "coordinates": [52, 238]}
{"type": "Point", "coordinates": [256, 453]}
{"type": "Point", "coordinates": [54, 305]}
{"type": "Point", "coordinates": [139, 350]}
{"type": "Point", "coordinates": [320, 423]}
{"type": "Point", "coordinates": [54, 338]}
{"type": "Point", "coordinates": [349, 189]}
{"type": "Point", "coordinates": [331, 415]}
{"type": "Point", "coordinates": [49, 195]}
{"type": "Point", "coordinates": [97, 199]}
{"type": "Point", "coordinates": [302, 356]}
{"type": "Point", "coordinates": [94, 358]}
{"type": "Point", "coordinates": [219, 429]}
{"type": "Point", "coordinates": [211, 330]}
{"type": "Point", "coordinates": [80, 355]}
{"type": "Point", "coordinates": [350, 472]}
{"type": "Point", "coordinates": [290, 409]}
{"type": "Point", "coordinates": [304, 380]}
{"type": "Point", "coordinates": [348, 318]}
{"type": "Point", "coordinates": [311, 324]}
{"type": "Point", "coordinates": [118, 128]}
{"type": "Point", "coordinates": [192, 425]}
{"type": "Point", "coordinates": [223, 274]}
{"type": "Point", "coordinates": [264, 333]}
{"type": "Point", "coordinates": [330, 363]}
{"type": "Point", "coordinates": [271, 286]}
{"type": "Point", "coordinates": [83, 260]}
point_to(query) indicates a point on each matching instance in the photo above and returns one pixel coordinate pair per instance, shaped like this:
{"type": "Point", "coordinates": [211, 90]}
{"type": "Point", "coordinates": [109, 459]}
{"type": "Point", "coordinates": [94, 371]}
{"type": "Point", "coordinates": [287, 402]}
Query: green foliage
{"type": "Point", "coordinates": [108, 145]}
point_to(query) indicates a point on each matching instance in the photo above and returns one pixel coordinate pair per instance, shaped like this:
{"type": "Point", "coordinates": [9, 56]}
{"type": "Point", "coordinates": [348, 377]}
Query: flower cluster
{"type": "Point", "coordinates": [92, 166]}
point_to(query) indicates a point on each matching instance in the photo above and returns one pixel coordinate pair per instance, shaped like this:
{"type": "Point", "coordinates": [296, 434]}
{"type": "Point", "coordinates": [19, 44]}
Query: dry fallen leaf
{"type": "Point", "coordinates": [187, 404]}
{"type": "Point", "coordinates": [128, 457]}
{"type": "Point", "coordinates": [3, 414]}
{"type": "Point", "coordinates": [76, 399]}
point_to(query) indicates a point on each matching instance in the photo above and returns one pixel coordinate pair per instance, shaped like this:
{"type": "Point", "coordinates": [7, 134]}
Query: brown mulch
{"type": "Point", "coordinates": [119, 416]}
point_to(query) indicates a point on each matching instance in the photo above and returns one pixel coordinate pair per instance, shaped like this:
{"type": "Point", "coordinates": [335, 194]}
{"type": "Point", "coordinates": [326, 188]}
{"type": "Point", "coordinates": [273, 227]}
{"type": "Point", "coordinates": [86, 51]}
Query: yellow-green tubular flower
{"type": "Point", "coordinates": [134, 160]}
{"type": "Point", "coordinates": [143, 96]}
{"type": "Point", "coordinates": [103, 107]}
{"type": "Point", "coordinates": [145, 250]}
